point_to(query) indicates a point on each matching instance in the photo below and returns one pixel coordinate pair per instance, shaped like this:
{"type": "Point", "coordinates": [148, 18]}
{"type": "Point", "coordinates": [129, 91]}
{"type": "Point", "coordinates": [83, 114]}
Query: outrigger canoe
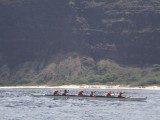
{"type": "Point", "coordinates": [86, 97]}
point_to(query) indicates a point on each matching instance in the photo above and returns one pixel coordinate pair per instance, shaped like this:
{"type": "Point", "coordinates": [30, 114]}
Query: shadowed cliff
{"type": "Point", "coordinates": [45, 31]}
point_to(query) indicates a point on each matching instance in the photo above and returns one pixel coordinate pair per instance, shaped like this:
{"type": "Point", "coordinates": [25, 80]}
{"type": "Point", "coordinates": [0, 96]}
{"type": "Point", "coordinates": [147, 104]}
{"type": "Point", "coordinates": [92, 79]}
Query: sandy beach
{"type": "Point", "coordinates": [85, 87]}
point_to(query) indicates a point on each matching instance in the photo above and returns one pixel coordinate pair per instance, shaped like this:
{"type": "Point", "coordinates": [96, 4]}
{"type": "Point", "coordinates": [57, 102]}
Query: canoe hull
{"type": "Point", "coordinates": [91, 98]}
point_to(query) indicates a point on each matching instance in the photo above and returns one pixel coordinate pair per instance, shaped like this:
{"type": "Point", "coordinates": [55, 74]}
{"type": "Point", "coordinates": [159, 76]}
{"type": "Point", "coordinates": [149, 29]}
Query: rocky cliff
{"type": "Point", "coordinates": [122, 30]}
{"type": "Point", "coordinates": [38, 33]}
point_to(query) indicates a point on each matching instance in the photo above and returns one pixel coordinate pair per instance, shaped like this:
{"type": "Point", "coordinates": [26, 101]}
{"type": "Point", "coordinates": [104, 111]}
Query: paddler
{"type": "Point", "coordinates": [109, 94]}
{"type": "Point", "coordinates": [92, 94]}
{"type": "Point", "coordinates": [55, 92]}
{"type": "Point", "coordinates": [80, 93]}
{"type": "Point", "coordinates": [64, 93]}
{"type": "Point", "coordinates": [120, 95]}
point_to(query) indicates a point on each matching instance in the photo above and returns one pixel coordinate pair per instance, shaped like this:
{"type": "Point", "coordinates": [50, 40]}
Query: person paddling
{"type": "Point", "coordinates": [120, 95]}
{"type": "Point", "coordinates": [109, 94]}
{"type": "Point", "coordinates": [55, 92]}
{"type": "Point", "coordinates": [92, 94]}
{"type": "Point", "coordinates": [80, 93]}
{"type": "Point", "coordinates": [64, 93]}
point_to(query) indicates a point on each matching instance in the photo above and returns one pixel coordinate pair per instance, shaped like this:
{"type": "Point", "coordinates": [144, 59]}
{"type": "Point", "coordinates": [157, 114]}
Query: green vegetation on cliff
{"type": "Point", "coordinates": [75, 42]}
{"type": "Point", "coordinates": [71, 69]}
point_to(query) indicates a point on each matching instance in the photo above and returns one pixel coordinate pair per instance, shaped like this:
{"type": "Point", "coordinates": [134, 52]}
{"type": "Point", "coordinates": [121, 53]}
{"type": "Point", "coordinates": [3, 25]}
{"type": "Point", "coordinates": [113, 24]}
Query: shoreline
{"type": "Point", "coordinates": [84, 87]}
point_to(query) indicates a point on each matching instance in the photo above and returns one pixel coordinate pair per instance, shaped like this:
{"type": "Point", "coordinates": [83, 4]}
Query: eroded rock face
{"type": "Point", "coordinates": [125, 31]}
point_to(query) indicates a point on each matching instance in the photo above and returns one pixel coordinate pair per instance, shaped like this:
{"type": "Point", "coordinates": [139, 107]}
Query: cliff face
{"type": "Point", "coordinates": [34, 29]}
{"type": "Point", "coordinates": [125, 31]}
{"type": "Point", "coordinates": [122, 30]}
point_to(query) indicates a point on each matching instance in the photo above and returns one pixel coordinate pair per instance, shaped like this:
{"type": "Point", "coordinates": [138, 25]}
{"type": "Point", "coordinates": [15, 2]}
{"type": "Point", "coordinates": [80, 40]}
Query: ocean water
{"type": "Point", "coordinates": [19, 104]}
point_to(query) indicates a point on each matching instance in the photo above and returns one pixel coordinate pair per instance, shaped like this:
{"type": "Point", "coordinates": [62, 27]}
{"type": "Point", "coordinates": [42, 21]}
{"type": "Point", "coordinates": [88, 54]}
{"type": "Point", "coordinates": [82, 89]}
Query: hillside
{"type": "Point", "coordinates": [63, 41]}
